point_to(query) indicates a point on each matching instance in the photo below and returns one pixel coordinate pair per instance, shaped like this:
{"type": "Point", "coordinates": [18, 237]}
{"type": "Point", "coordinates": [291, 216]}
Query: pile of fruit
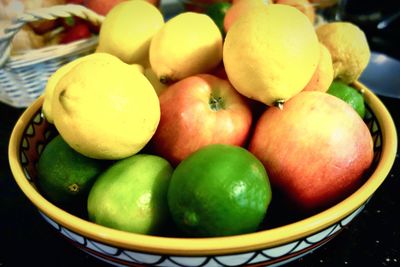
{"type": "Point", "coordinates": [175, 124]}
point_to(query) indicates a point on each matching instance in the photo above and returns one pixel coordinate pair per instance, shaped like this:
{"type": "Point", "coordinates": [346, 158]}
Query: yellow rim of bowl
{"type": "Point", "coordinates": [218, 245]}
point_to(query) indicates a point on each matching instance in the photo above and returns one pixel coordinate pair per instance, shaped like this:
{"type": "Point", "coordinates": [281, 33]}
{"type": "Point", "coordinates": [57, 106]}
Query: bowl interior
{"type": "Point", "coordinates": [32, 132]}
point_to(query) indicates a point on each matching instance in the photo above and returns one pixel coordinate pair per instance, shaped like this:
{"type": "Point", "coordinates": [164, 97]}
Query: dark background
{"type": "Point", "coordinates": [371, 239]}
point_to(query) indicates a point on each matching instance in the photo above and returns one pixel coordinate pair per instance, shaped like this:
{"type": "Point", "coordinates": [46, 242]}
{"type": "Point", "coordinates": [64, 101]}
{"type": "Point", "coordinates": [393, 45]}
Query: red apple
{"type": "Point", "coordinates": [78, 31]}
{"type": "Point", "coordinates": [200, 110]}
{"type": "Point", "coordinates": [44, 26]}
{"type": "Point", "coordinates": [315, 150]}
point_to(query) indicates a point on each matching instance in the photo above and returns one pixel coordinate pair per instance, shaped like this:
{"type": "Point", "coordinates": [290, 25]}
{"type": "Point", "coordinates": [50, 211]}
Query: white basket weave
{"type": "Point", "coordinates": [23, 77]}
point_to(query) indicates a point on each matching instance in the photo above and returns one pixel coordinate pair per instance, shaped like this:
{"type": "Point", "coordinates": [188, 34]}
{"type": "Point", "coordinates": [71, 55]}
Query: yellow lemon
{"type": "Point", "coordinates": [271, 53]}
{"type": "Point", "coordinates": [349, 48]}
{"type": "Point", "coordinates": [153, 79]}
{"type": "Point", "coordinates": [127, 30]}
{"type": "Point", "coordinates": [323, 75]}
{"type": "Point", "coordinates": [302, 5]}
{"type": "Point", "coordinates": [189, 43]}
{"type": "Point", "coordinates": [105, 108]}
{"type": "Point", "coordinates": [53, 80]}
{"type": "Point", "coordinates": [138, 67]}
{"type": "Point", "coordinates": [238, 8]}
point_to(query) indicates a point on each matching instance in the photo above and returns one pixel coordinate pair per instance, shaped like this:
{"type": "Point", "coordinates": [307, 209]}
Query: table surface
{"type": "Point", "coordinates": [371, 239]}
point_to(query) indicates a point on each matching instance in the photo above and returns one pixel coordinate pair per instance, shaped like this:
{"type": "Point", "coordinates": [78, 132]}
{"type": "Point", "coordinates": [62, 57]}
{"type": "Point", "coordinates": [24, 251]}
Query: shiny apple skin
{"type": "Point", "coordinates": [315, 150]}
{"type": "Point", "coordinates": [189, 120]}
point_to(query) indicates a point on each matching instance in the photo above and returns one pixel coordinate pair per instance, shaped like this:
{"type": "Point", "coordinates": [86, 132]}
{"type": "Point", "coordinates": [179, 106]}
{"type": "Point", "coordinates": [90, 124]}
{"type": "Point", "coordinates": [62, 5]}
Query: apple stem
{"type": "Point", "coordinates": [279, 103]}
{"type": "Point", "coordinates": [216, 103]}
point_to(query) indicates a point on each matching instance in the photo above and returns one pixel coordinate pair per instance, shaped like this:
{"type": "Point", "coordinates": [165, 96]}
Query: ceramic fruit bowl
{"type": "Point", "coordinates": [270, 246]}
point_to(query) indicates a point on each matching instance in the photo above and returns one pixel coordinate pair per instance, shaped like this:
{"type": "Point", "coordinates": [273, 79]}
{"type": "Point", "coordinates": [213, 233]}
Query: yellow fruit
{"type": "Point", "coordinates": [138, 67]}
{"type": "Point", "coordinates": [303, 5]}
{"type": "Point", "coordinates": [239, 8]}
{"type": "Point", "coordinates": [105, 109]}
{"type": "Point", "coordinates": [127, 30]}
{"type": "Point", "coordinates": [153, 79]}
{"type": "Point", "coordinates": [53, 80]}
{"type": "Point", "coordinates": [271, 53]}
{"type": "Point", "coordinates": [189, 43]}
{"type": "Point", "coordinates": [349, 49]}
{"type": "Point", "coordinates": [323, 75]}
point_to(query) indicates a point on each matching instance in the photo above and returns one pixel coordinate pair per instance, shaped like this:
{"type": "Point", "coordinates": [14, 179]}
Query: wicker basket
{"type": "Point", "coordinates": [23, 77]}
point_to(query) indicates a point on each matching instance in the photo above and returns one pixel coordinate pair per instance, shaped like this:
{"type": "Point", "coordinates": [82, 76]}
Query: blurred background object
{"type": "Point", "coordinates": [382, 75]}
{"type": "Point", "coordinates": [31, 36]}
{"type": "Point", "coordinates": [10, 9]}
{"type": "Point", "coordinates": [380, 20]}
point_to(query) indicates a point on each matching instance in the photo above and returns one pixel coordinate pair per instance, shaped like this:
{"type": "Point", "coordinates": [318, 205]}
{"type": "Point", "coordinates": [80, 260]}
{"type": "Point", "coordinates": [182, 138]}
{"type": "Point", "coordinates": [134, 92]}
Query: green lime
{"type": "Point", "coordinates": [216, 11]}
{"type": "Point", "coordinates": [348, 94]}
{"type": "Point", "coordinates": [219, 190]}
{"type": "Point", "coordinates": [64, 175]}
{"type": "Point", "coordinates": [131, 195]}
